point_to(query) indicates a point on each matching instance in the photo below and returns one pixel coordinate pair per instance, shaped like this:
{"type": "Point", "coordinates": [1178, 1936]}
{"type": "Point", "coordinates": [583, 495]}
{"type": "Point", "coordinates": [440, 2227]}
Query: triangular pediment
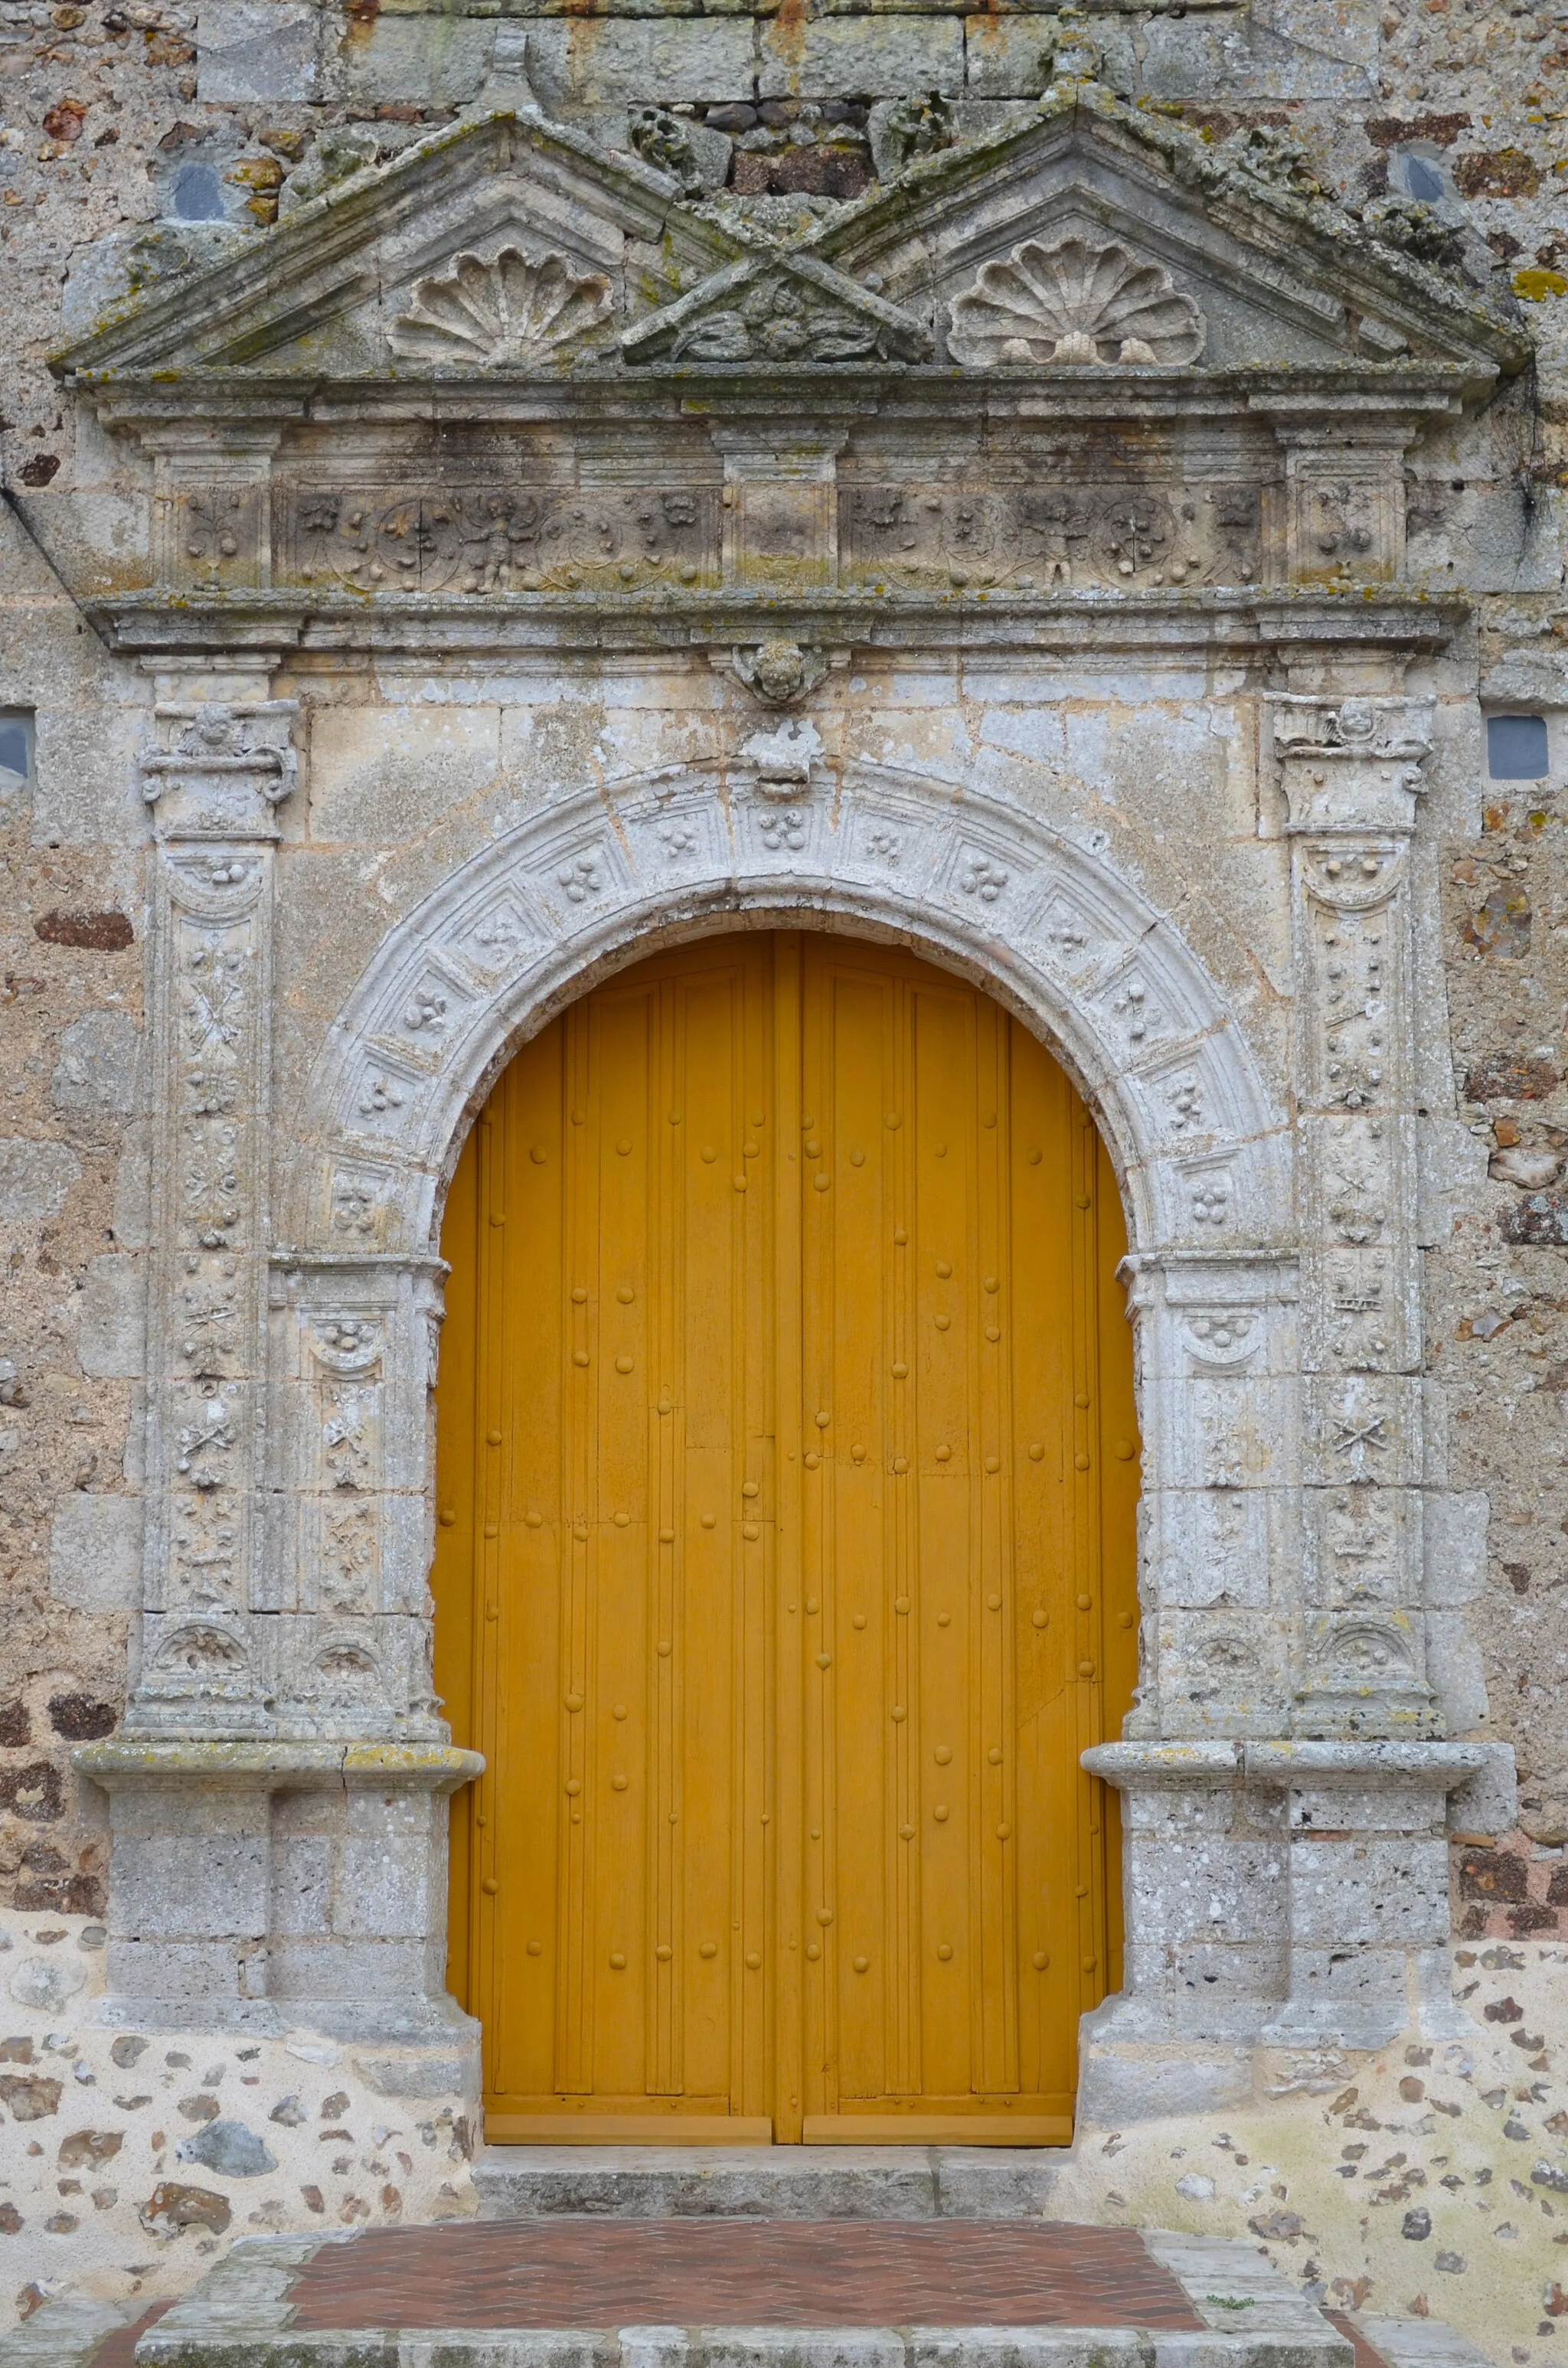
{"type": "Point", "coordinates": [512, 244]}
{"type": "Point", "coordinates": [1268, 270]}
{"type": "Point", "coordinates": [1095, 235]}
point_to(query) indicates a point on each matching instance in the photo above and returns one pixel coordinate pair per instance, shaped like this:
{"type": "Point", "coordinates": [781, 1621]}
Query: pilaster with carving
{"type": "Point", "coordinates": [353, 1358]}
{"type": "Point", "coordinates": [1218, 1383]}
{"type": "Point", "coordinates": [214, 775]}
{"type": "Point", "coordinates": [1351, 772]}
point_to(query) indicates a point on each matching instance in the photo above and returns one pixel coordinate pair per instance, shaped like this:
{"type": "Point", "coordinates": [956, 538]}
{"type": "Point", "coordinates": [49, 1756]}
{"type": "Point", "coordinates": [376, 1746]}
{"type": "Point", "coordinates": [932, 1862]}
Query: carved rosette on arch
{"type": "Point", "coordinates": [1351, 774]}
{"type": "Point", "coordinates": [214, 777]}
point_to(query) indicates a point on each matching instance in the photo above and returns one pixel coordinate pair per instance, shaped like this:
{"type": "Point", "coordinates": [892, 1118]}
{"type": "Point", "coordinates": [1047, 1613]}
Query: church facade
{"type": "Point", "coordinates": [1046, 569]}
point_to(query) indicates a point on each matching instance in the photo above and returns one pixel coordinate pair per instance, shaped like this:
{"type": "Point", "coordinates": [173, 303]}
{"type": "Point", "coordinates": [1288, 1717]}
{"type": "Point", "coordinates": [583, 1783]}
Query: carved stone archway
{"type": "Point", "coordinates": [676, 484]}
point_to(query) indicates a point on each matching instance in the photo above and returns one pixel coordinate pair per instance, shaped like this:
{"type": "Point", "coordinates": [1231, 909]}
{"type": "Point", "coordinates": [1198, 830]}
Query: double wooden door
{"type": "Point", "coordinates": [787, 1479]}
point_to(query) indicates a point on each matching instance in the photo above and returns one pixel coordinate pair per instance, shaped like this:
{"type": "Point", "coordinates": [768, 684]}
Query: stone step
{"type": "Point", "coordinates": [571, 2293]}
{"type": "Point", "coordinates": [767, 2183]}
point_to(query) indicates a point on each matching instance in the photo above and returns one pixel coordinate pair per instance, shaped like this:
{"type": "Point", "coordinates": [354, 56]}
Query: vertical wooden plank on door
{"type": "Point", "coordinates": [797, 2020]}
{"type": "Point", "coordinates": [579, 2020]}
{"type": "Point", "coordinates": [989, 1302]}
{"type": "Point", "coordinates": [947, 1585]}
{"type": "Point", "coordinates": [821, 1430]}
{"type": "Point", "coordinates": [696, 1831]}
{"type": "Point", "coordinates": [1044, 1188]}
{"type": "Point", "coordinates": [617, 1220]}
{"type": "Point", "coordinates": [753, 1836]}
{"type": "Point", "coordinates": [853, 1009]}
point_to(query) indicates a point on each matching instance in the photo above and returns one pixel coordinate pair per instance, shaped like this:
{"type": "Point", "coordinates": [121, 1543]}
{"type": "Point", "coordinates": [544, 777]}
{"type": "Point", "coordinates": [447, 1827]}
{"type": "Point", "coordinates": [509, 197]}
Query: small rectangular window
{"type": "Point", "coordinates": [15, 750]}
{"type": "Point", "coordinates": [1515, 748]}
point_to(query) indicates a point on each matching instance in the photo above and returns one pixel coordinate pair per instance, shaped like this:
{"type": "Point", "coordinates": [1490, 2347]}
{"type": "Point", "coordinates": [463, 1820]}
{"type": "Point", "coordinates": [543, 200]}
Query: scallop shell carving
{"type": "Point", "coordinates": [1074, 303]}
{"type": "Point", "coordinates": [510, 313]}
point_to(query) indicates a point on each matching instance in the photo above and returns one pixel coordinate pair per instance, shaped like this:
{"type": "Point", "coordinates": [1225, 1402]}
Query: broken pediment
{"type": "Point", "coordinates": [782, 307]}
{"type": "Point", "coordinates": [512, 244]}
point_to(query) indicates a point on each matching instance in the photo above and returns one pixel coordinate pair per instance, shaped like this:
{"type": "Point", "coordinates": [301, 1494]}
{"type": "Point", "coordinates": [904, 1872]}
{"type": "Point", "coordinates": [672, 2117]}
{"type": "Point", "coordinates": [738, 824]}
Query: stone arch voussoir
{"type": "Point", "coordinates": [972, 878]}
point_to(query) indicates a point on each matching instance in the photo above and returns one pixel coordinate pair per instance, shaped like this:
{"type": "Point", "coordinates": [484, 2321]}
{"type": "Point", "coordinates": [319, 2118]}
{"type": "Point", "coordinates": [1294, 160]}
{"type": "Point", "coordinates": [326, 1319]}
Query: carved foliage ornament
{"type": "Point", "coordinates": [512, 312]}
{"type": "Point", "coordinates": [1074, 303]}
{"type": "Point", "coordinates": [783, 319]}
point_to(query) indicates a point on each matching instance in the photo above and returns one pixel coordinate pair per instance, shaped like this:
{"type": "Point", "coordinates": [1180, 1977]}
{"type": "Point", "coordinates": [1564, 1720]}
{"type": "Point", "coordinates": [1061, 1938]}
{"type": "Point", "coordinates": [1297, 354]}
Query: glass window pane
{"type": "Point", "coordinates": [1515, 748]}
{"type": "Point", "coordinates": [15, 749]}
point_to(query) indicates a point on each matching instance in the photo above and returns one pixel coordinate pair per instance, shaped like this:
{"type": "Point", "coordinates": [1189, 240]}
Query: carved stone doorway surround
{"type": "Point", "coordinates": [278, 1811]}
{"type": "Point", "coordinates": [1284, 1774]}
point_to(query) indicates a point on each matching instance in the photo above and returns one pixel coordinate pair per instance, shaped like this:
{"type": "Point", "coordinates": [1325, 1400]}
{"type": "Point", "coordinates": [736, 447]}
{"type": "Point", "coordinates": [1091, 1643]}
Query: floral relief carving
{"type": "Point", "coordinates": [347, 1558]}
{"type": "Point", "coordinates": [1222, 1336]}
{"type": "Point", "coordinates": [981, 877]}
{"type": "Point", "coordinates": [490, 540]}
{"type": "Point", "coordinates": [1052, 535]}
{"type": "Point", "coordinates": [511, 313]}
{"type": "Point", "coordinates": [206, 1553]}
{"type": "Point", "coordinates": [1070, 302]}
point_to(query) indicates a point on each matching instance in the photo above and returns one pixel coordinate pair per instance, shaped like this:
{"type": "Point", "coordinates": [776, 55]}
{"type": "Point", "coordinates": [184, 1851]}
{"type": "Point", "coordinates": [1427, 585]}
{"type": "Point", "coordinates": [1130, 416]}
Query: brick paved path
{"type": "Point", "coordinates": [588, 2273]}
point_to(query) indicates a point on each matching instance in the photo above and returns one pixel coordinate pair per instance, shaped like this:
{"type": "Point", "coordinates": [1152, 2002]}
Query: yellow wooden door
{"type": "Point", "coordinates": [785, 1565]}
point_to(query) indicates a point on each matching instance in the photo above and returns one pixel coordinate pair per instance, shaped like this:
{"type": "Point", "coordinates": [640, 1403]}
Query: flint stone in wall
{"type": "Point", "coordinates": [257, 48]}
{"type": "Point", "coordinates": [96, 1076]}
{"type": "Point", "coordinates": [46, 1983]}
{"type": "Point", "coordinates": [34, 1180]}
{"type": "Point", "coordinates": [112, 1319]}
{"type": "Point", "coordinates": [228, 2148]}
{"type": "Point", "coordinates": [94, 1553]}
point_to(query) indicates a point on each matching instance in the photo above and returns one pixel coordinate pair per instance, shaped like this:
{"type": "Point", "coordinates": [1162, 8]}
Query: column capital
{"type": "Point", "coordinates": [1350, 764]}
{"type": "Point", "coordinates": [219, 769]}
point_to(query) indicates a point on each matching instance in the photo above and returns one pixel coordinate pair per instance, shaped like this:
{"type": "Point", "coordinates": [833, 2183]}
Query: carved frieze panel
{"type": "Point", "coordinates": [500, 537]}
{"type": "Point", "coordinates": [1053, 535]}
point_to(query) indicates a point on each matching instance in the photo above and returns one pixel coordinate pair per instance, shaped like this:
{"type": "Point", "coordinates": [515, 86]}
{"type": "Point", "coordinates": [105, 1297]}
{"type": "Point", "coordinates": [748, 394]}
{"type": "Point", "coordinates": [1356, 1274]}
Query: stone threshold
{"type": "Point", "coordinates": [768, 2182]}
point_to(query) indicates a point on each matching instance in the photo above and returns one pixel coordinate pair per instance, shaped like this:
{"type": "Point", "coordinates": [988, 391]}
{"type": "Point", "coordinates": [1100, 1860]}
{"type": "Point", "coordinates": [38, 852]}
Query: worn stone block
{"type": "Point", "coordinates": [95, 1552]}
{"type": "Point", "coordinates": [96, 1075]}
{"type": "Point", "coordinates": [1114, 2089]}
{"type": "Point", "coordinates": [257, 49]}
{"type": "Point", "coordinates": [876, 57]}
{"type": "Point", "coordinates": [376, 779]}
{"type": "Point", "coordinates": [606, 63]}
{"type": "Point", "coordinates": [35, 1177]}
{"type": "Point", "coordinates": [189, 1886]}
{"type": "Point", "coordinates": [433, 60]}
{"type": "Point", "coordinates": [1368, 1893]}
{"type": "Point", "coordinates": [111, 1336]}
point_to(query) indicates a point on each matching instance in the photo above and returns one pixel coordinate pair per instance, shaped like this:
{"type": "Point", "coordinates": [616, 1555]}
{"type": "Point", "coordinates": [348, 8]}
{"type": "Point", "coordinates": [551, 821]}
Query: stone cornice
{"type": "Point", "coordinates": [520, 624]}
{"type": "Point", "coordinates": [1047, 399]}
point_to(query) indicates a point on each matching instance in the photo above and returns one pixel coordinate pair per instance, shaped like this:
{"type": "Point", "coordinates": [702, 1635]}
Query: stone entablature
{"type": "Point", "coordinates": [1077, 401]}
